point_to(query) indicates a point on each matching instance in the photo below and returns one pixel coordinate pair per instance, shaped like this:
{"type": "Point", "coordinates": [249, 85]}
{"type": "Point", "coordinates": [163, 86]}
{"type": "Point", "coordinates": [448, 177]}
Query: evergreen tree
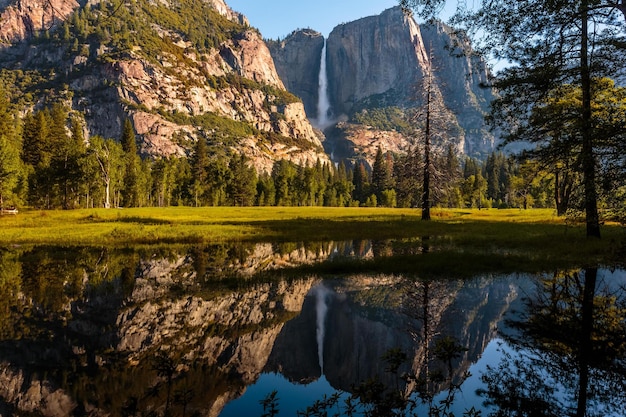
{"type": "Point", "coordinates": [200, 170]}
{"type": "Point", "coordinates": [451, 192]}
{"type": "Point", "coordinates": [266, 191]}
{"type": "Point", "coordinates": [10, 168]}
{"type": "Point", "coordinates": [241, 188]}
{"type": "Point", "coordinates": [36, 145]}
{"type": "Point", "coordinates": [361, 183]}
{"type": "Point", "coordinates": [132, 162]}
{"type": "Point", "coordinates": [163, 181]}
{"type": "Point", "coordinates": [10, 162]}
{"type": "Point", "coordinates": [284, 174]}
{"type": "Point", "coordinates": [408, 169]}
{"type": "Point", "coordinates": [69, 165]}
{"type": "Point", "coordinates": [35, 138]}
{"type": "Point", "coordinates": [432, 129]}
{"type": "Point", "coordinates": [341, 188]}
{"type": "Point", "coordinates": [382, 177]}
{"type": "Point", "coordinates": [219, 176]}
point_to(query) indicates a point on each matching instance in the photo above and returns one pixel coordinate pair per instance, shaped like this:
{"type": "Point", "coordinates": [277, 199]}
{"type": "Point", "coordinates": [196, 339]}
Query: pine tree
{"type": "Point", "coordinates": [199, 170]}
{"type": "Point", "coordinates": [361, 183]}
{"type": "Point", "coordinates": [382, 177]}
{"type": "Point", "coordinates": [10, 163]}
{"type": "Point", "coordinates": [432, 131]}
{"type": "Point", "coordinates": [241, 188]}
{"type": "Point", "coordinates": [408, 170]}
{"type": "Point", "coordinates": [132, 161]}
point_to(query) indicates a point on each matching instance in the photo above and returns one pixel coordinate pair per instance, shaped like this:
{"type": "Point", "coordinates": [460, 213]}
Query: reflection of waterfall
{"type": "Point", "coordinates": [321, 308]}
{"type": "Point", "coordinates": [323, 104]}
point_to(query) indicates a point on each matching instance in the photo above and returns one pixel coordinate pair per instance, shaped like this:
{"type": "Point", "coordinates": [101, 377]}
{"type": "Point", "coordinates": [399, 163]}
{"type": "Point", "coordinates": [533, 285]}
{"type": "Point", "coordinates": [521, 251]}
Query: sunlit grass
{"type": "Point", "coordinates": [497, 231]}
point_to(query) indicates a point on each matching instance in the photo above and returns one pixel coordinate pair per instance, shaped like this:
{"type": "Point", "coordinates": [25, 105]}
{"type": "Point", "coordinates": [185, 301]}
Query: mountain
{"type": "Point", "coordinates": [297, 59]}
{"type": "Point", "coordinates": [179, 70]}
{"type": "Point", "coordinates": [374, 66]}
{"type": "Point", "coordinates": [185, 70]}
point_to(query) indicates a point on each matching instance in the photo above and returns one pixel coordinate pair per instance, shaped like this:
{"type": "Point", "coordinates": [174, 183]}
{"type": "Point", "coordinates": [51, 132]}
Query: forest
{"type": "Point", "coordinates": [46, 163]}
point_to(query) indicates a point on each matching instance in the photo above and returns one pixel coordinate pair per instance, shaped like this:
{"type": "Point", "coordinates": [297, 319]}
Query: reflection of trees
{"type": "Point", "coordinates": [438, 353]}
{"type": "Point", "coordinates": [86, 323]}
{"type": "Point", "coordinates": [570, 351]}
{"type": "Point", "coordinates": [10, 285]}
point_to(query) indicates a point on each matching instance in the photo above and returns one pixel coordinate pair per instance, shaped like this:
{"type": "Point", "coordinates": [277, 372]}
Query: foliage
{"type": "Point", "coordinates": [64, 172]}
{"type": "Point", "coordinates": [385, 118]}
{"type": "Point", "coordinates": [550, 45]}
{"type": "Point", "coordinates": [11, 168]}
{"type": "Point", "coordinates": [573, 330]}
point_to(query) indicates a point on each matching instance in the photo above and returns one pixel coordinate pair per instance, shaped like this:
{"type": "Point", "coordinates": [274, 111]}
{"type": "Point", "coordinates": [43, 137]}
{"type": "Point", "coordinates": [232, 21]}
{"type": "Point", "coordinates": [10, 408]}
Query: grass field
{"type": "Point", "coordinates": [139, 226]}
{"type": "Point", "coordinates": [211, 224]}
{"type": "Point", "coordinates": [512, 237]}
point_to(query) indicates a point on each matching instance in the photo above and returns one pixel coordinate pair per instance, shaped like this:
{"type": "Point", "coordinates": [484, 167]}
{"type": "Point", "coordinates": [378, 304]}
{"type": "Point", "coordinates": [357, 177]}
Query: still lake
{"type": "Point", "coordinates": [215, 330]}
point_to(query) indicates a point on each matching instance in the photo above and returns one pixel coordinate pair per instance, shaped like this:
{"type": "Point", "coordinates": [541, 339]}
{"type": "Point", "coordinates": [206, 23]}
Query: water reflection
{"type": "Point", "coordinates": [569, 349]}
{"type": "Point", "coordinates": [186, 330]}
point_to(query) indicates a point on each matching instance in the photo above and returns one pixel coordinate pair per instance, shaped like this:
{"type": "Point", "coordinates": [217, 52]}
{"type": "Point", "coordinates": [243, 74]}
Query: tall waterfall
{"type": "Point", "coordinates": [323, 104]}
{"type": "Point", "coordinates": [321, 308]}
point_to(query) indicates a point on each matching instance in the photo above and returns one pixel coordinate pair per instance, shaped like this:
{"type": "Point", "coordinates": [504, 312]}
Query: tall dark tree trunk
{"type": "Point", "coordinates": [588, 160]}
{"type": "Point", "coordinates": [585, 352]}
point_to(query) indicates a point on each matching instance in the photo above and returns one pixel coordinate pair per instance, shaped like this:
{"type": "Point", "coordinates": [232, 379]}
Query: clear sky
{"type": "Point", "coordinates": [278, 18]}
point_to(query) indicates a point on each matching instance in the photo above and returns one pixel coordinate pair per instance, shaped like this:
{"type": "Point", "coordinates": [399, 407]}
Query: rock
{"type": "Point", "coordinates": [169, 97]}
{"type": "Point", "coordinates": [378, 61]}
{"type": "Point", "coordinates": [226, 11]}
{"type": "Point", "coordinates": [24, 18]}
{"type": "Point", "coordinates": [375, 55]}
{"type": "Point", "coordinates": [463, 79]}
{"type": "Point", "coordinates": [297, 60]}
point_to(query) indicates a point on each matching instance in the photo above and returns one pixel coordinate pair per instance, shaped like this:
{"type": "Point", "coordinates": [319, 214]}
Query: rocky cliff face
{"type": "Point", "coordinates": [374, 56]}
{"type": "Point", "coordinates": [297, 59]}
{"type": "Point", "coordinates": [378, 62]}
{"type": "Point", "coordinates": [463, 79]}
{"type": "Point", "coordinates": [23, 19]}
{"type": "Point", "coordinates": [174, 93]}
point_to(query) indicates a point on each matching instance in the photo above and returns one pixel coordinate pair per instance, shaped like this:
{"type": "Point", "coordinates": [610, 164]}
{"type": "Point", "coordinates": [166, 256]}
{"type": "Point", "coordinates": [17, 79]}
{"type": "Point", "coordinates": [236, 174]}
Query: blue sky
{"type": "Point", "coordinates": [278, 18]}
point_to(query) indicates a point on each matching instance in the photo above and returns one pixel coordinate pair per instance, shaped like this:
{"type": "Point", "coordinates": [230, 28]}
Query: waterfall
{"type": "Point", "coordinates": [321, 308]}
{"type": "Point", "coordinates": [323, 104]}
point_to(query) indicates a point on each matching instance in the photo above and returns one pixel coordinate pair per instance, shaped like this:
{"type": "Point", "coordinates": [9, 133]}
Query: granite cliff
{"type": "Point", "coordinates": [377, 63]}
{"type": "Point", "coordinates": [297, 59]}
{"type": "Point", "coordinates": [179, 71]}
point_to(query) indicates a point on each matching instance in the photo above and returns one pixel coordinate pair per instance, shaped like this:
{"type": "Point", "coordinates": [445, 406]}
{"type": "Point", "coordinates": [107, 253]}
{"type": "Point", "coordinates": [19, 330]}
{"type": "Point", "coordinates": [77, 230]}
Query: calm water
{"type": "Point", "coordinates": [214, 330]}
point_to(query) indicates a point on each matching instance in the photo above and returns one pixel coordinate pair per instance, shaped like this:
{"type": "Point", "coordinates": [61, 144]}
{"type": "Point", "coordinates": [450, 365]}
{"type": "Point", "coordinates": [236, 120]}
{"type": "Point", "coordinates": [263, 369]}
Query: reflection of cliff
{"type": "Point", "coordinates": [108, 344]}
{"type": "Point", "coordinates": [364, 321]}
{"type": "Point", "coordinates": [87, 331]}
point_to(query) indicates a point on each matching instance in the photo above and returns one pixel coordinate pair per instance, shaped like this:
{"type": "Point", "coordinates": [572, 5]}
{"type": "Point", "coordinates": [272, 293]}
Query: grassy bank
{"type": "Point", "coordinates": [502, 231]}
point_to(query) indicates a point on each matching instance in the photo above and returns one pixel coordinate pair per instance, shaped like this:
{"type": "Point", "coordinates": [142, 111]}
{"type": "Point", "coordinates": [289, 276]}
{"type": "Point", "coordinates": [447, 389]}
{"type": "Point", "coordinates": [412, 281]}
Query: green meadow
{"type": "Point", "coordinates": [535, 235]}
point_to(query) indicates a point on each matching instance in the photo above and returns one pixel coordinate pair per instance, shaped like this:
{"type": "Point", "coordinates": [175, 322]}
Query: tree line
{"type": "Point", "coordinates": [46, 163]}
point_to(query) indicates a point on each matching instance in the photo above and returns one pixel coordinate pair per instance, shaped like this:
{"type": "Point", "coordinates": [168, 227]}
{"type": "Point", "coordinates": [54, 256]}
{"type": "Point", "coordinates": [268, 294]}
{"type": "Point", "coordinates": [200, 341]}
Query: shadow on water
{"type": "Point", "coordinates": [392, 323]}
